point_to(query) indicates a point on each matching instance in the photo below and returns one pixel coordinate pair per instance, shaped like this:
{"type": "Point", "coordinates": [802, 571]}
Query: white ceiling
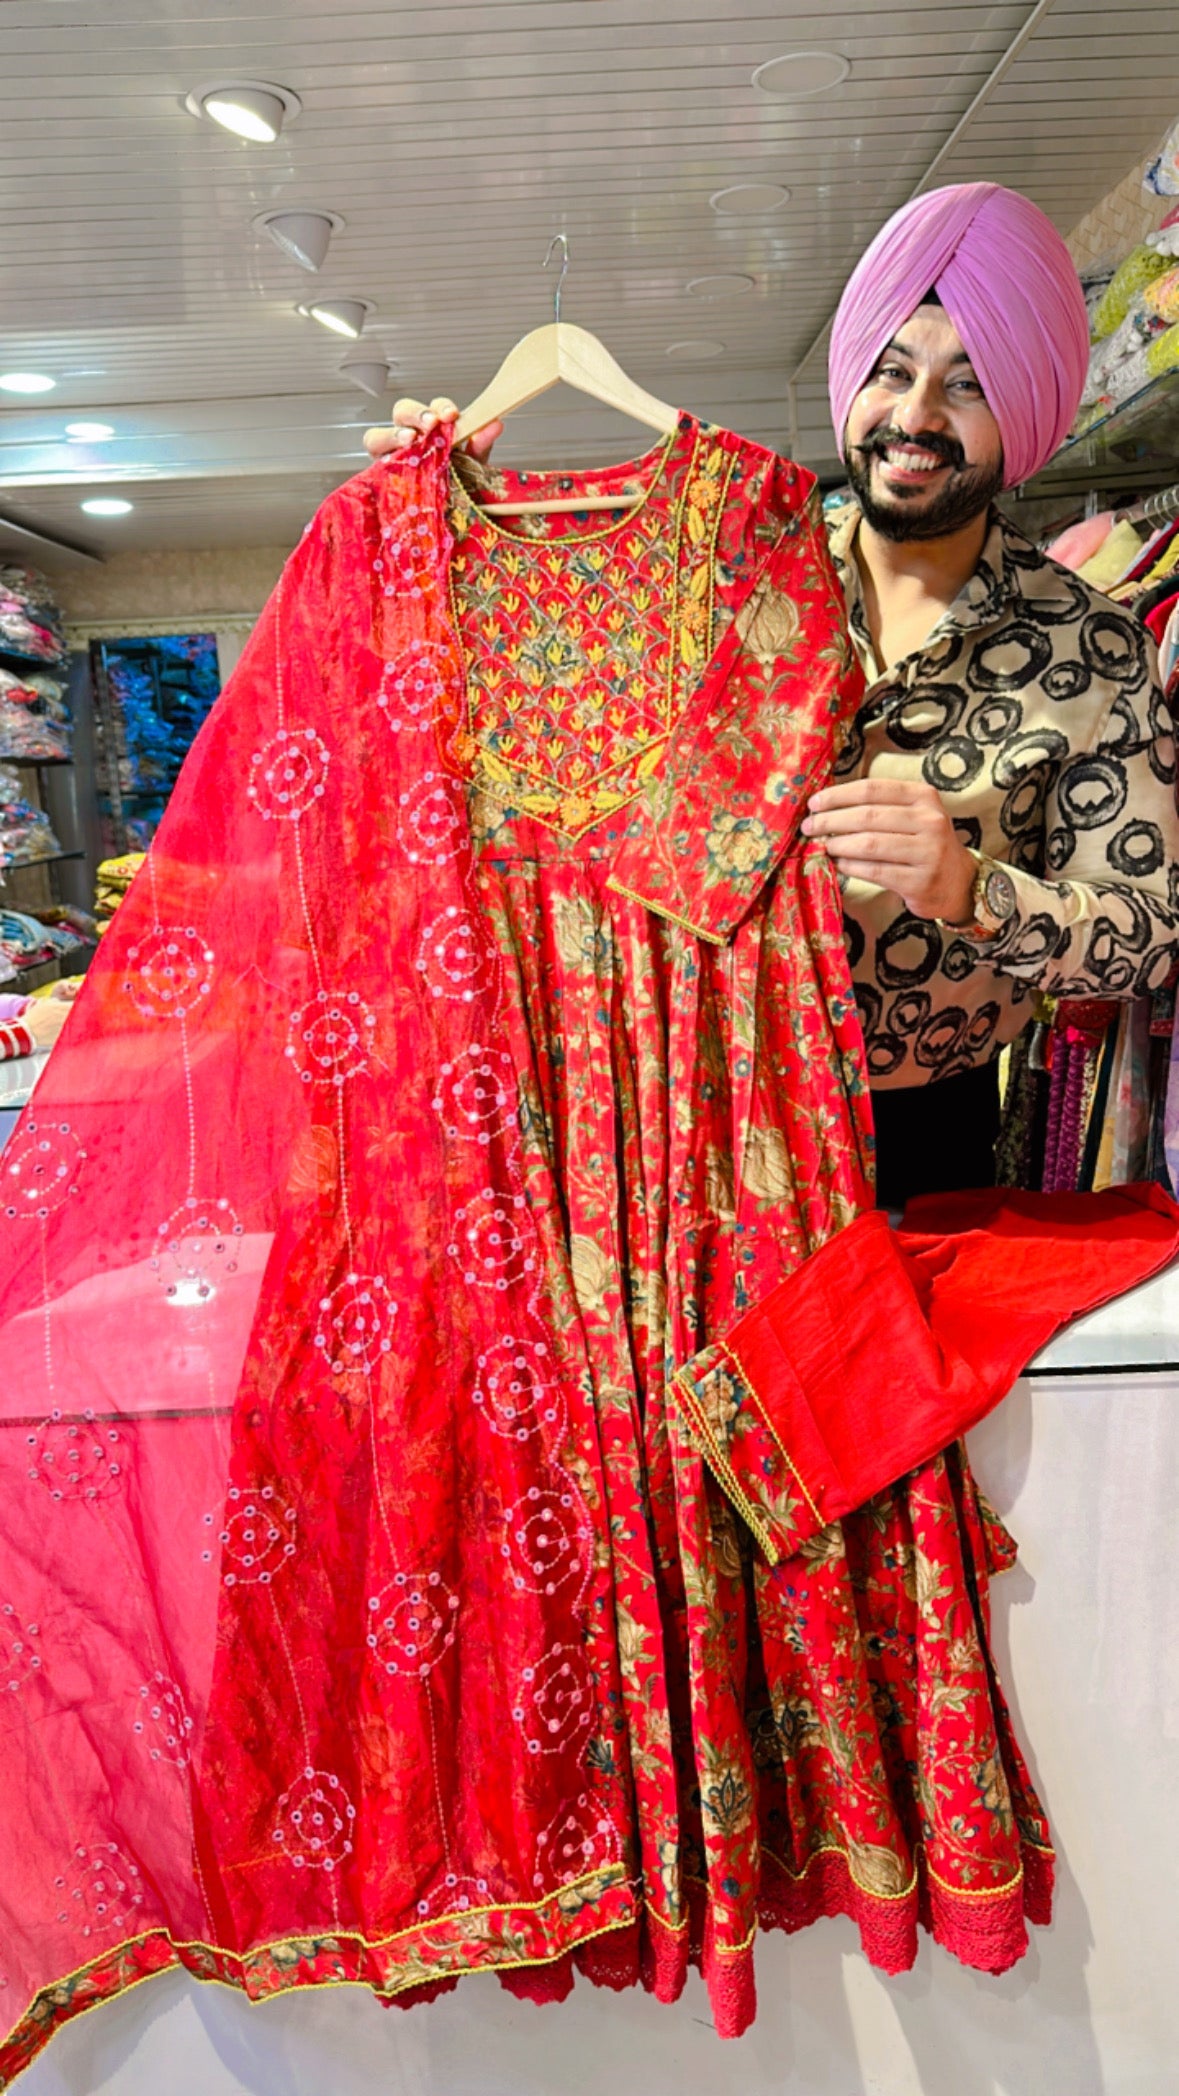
{"type": "Point", "coordinates": [455, 139]}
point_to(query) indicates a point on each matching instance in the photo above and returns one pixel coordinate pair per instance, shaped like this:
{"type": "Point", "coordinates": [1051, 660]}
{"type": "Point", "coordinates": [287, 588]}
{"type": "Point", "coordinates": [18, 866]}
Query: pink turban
{"type": "Point", "coordinates": [1006, 280]}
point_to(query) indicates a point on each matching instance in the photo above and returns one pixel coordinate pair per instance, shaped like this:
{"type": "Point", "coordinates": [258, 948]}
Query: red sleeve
{"type": "Point", "coordinates": [885, 1345]}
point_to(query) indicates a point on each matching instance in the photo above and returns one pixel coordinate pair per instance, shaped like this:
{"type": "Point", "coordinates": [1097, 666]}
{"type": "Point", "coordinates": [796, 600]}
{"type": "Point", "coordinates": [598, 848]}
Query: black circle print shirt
{"type": "Point", "coordinates": [1034, 707]}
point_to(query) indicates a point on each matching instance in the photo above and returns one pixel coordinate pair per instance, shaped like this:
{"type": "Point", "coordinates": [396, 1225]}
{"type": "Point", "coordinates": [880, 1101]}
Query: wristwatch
{"type": "Point", "coordinates": [993, 901]}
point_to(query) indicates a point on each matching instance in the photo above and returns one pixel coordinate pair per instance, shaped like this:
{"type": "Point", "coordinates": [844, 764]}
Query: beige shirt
{"type": "Point", "coordinates": [1034, 708]}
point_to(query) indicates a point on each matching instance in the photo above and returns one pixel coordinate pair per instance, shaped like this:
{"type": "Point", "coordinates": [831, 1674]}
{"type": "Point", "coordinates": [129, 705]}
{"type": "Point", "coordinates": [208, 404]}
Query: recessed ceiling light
{"type": "Point", "coordinates": [345, 316]}
{"type": "Point", "coordinates": [371, 374]}
{"type": "Point", "coordinates": [743, 198]}
{"type": "Point", "coordinates": [721, 286]}
{"type": "Point", "coordinates": [26, 382]}
{"type": "Point", "coordinates": [88, 432]}
{"type": "Point", "coordinates": [252, 109]}
{"type": "Point", "coordinates": [800, 73]}
{"type": "Point", "coordinates": [697, 351]}
{"type": "Point", "coordinates": [106, 506]}
{"type": "Point", "coordinates": [303, 235]}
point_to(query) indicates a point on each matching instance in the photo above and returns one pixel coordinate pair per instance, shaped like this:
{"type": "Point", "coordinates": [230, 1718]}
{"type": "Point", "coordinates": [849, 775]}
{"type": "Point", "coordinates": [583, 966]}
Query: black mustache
{"type": "Point", "coordinates": [944, 448]}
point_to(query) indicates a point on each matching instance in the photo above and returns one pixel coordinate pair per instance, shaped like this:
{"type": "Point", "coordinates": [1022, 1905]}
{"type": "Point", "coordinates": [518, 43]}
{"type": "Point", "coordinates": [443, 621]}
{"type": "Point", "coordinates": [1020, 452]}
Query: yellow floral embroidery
{"type": "Point", "coordinates": [580, 652]}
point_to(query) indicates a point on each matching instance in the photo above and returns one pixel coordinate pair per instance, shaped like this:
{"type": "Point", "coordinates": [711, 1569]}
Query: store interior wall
{"type": "Point", "coordinates": [217, 589]}
{"type": "Point", "coordinates": [1125, 215]}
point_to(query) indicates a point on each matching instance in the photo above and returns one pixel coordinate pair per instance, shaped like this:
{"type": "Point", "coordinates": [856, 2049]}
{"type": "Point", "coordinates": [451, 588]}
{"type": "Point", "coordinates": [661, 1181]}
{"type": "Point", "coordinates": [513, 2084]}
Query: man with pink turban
{"type": "Point", "coordinates": [1004, 820]}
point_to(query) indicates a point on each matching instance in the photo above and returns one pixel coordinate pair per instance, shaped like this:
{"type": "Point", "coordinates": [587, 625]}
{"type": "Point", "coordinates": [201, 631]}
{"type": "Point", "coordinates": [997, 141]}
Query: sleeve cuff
{"type": "Point", "coordinates": [807, 1409]}
{"type": "Point", "coordinates": [884, 1346]}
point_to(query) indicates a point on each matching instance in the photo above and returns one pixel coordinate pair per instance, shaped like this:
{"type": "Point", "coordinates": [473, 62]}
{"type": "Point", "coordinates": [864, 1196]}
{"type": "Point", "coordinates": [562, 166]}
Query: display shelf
{"type": "Point", "coordinates": [46, 859]}
{"type": "Point", "coordinates": [32, 763]}
{"type": "Point", "coordinates": [51, 970]}
{"type": "Point", "coordinates": [55, 664]}
{"type": "Point", "coordinates": [1134, 448]}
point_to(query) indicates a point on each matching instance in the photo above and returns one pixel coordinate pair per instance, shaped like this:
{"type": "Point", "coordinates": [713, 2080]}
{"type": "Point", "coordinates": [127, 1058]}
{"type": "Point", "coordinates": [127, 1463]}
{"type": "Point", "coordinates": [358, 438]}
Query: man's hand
{"type": "Point", "coordinates": [897, 835]}
{"type": "Point", "coordinates": [411, 419]}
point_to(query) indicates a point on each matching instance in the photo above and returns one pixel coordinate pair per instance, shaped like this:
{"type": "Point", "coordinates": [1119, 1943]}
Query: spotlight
{"type": "Point", "coordinates": [369, 374]}
{"type": "Point", "coordinates": [251, 109]}
{"type": "Point", "coordinates": [344, 316]}
{"type": "Point", "coordinates": [303, 235]}
{"type": "Point", "coordinates": [106, 506]}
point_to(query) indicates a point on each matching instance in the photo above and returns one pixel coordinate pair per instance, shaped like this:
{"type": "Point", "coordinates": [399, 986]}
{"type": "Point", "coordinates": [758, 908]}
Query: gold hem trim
{"type": "Point", "coordinates": [920, 1863]}
{"type": "Point", "coordinates": [626, 1921]}
{"type": "Point", "coordinates": [763, 1415]}
{"type": "Point", "coordinates": [610, 1880]}
{"type": "Point", "coordinates": [718, 1463]}
{"type": "Point", "coordinates": [263, 2001]}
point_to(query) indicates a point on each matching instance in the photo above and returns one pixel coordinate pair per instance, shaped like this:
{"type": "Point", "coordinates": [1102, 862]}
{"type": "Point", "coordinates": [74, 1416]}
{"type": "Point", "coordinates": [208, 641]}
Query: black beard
{"type": "Point", "coordinates": [968, 493]}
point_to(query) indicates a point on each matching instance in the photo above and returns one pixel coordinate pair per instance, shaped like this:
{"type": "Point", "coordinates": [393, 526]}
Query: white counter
{"type": "Point", "coordinates": [18, 1075]}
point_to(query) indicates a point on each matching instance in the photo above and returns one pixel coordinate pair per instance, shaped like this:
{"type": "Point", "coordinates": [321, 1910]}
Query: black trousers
{"type": "Point", "coordinates": [936, 1138]}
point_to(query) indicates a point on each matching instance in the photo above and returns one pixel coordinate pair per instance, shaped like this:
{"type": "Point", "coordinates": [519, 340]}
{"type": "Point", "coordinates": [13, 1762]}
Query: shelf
{"type": "Point", "coordinates": [1135, 446]}
{"type": "Point", "coordinates": [47, 859]}
{"type": "Point", "coordinates": [33, 763]}
{"type": "Point", "coordinates": [39, 972]}
{"type": "Point", "coordinates": [53, 664]}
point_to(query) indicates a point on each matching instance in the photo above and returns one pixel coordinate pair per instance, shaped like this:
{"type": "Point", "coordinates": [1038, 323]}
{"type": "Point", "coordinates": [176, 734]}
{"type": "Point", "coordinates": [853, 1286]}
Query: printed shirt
{"type": "Point", "coordinates": [1034, 707]}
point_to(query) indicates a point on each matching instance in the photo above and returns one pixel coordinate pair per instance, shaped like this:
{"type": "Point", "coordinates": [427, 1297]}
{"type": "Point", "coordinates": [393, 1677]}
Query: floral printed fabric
{"type": "Point", "coordinates": [417, 1129]}
{"type": "Point", "coordinates": [685, 996]}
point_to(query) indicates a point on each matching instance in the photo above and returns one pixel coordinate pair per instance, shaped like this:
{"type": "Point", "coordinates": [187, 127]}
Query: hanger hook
{"type": "Point", "coordinates": [558, 240]}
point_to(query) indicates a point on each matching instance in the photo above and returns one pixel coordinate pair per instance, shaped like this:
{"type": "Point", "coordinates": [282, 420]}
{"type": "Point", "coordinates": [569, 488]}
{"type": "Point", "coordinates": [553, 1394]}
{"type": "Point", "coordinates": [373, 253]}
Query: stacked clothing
{"type": "Point", "coordinates": [27, 941]}
{"type": "Point", "coordinates": [158, 692]}
{"type": "Point", "coordinates": [1134, 307]}
{"type": "Point", "coordinates": [26, 833]}
{"type": "Point", "coordinates": [1135, 326]}
{"type": "Point", "coordinates": [30, 622]}
{"type": "Point", "coordinates": [34, 718]}
{"type": "Point", "coordinates": [1092, 1094]}
{"type": "Point", "coordinates": [114, 878]}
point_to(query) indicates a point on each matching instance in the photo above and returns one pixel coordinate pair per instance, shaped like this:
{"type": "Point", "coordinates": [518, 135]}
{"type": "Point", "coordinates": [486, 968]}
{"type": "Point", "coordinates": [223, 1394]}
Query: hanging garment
{"type": "Point", "coordinates": [475, 1048]}
{"type": "Point", "coordinates": [387, 1153]}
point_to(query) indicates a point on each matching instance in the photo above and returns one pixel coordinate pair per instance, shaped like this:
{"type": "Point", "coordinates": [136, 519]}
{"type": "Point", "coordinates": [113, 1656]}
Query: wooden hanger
{"type": "Point", "coordinates": [543, 358]}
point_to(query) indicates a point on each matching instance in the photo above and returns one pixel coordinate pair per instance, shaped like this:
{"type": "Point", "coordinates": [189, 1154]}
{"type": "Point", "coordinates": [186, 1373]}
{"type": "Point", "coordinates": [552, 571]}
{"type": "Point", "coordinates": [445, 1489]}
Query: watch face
{"type": "Point", "coordinates": [999, 894]}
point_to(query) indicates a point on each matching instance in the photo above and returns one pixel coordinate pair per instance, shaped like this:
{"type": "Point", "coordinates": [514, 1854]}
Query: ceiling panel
{"type": "Point", "coordinates": [455, 139]}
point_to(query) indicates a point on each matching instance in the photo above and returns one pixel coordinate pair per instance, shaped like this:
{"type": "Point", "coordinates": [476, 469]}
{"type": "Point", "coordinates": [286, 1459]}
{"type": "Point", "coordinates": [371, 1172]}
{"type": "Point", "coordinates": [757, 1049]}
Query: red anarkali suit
{"type": "Point", "coordinates": [474, 1053]}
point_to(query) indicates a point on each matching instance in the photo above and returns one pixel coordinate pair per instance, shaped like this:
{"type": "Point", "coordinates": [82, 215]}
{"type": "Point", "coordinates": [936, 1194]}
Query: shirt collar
{"type": "Point", "coordinates": [985, 598]}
